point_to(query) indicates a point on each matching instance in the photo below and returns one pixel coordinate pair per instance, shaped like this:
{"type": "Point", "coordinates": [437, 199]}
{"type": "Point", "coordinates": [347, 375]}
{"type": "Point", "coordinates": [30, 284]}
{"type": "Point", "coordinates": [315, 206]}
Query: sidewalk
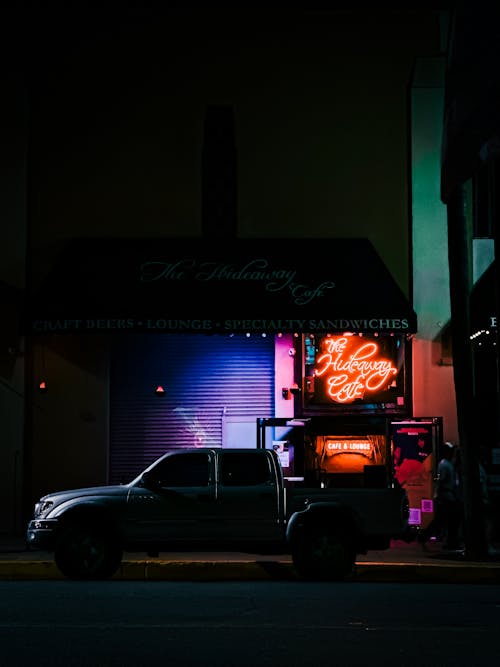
{"type": "Point", "coordinates": [401, 563]}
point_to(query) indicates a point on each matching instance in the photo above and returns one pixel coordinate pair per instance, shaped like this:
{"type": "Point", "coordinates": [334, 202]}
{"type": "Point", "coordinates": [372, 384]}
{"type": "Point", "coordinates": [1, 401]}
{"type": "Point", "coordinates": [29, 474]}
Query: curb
{"type": "Point", "coordinates": [453, 573]}
{"type": "Point", "coordinates": [154, 570]}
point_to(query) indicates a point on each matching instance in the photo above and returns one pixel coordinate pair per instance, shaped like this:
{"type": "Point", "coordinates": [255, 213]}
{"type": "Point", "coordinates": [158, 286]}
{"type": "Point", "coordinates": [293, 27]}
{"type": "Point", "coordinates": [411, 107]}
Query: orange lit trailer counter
{"type": "Point", "coordinates": [330, 451]}
{"type": "Point", "coordinates": [375, 452]}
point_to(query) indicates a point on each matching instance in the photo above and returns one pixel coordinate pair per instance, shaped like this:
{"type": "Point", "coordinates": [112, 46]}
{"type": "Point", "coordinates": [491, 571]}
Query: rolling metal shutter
{"type": "Point", "coordinates": [207, 380]}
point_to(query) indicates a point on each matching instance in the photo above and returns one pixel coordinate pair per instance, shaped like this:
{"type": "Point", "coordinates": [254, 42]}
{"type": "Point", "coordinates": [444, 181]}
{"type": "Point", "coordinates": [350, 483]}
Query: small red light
{"type": "Point", "coordinates": [159, 391]}
{"type": "Point", "coordinates": [42, 386]}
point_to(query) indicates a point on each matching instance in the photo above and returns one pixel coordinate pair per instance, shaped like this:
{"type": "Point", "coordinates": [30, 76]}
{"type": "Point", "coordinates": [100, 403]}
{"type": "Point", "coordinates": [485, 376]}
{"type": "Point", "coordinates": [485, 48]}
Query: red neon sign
{"type": "Point", "coordinates": [352, 368]}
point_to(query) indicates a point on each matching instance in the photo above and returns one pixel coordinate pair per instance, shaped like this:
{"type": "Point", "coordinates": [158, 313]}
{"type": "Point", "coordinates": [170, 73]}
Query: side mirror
{"type": "Point", "coordinates": [149, 481]}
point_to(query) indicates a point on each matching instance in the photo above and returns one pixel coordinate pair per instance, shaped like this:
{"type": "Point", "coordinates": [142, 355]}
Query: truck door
{"type": "Point", "coordinates": [248, 497]}
{"type": "Point", "coordinates": [180, 504]}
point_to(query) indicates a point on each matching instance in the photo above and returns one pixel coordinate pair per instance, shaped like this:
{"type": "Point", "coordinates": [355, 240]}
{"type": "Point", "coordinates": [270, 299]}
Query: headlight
{"type": "Point", "coordinates": [42, 508]}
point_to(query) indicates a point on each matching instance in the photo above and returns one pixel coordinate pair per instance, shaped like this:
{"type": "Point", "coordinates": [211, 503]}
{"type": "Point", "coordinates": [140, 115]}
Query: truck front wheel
{"type": "Point", "coordinates": [323, 557]}
{"type": "Point", "coordinates": [86, 553]}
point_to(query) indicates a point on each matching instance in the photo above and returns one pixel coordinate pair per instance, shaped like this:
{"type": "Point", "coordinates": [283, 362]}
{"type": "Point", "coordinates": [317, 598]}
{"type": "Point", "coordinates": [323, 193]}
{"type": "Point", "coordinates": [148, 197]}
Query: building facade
{"type": "Point", "coordinates": [297, 156]}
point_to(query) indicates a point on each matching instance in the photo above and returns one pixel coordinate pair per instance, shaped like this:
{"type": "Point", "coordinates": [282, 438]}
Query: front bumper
{"type": "Point", "coordinates": [41, 534]}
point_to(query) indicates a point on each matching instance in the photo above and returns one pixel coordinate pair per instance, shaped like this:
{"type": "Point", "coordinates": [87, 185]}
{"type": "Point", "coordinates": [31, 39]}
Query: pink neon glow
{"type": "Point", "coordinates": [352, 370]}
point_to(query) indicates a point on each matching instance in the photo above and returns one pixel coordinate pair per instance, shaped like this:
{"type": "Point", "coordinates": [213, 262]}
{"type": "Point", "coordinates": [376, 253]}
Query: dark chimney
{"type": "Point", "coordinates": [219, 173]}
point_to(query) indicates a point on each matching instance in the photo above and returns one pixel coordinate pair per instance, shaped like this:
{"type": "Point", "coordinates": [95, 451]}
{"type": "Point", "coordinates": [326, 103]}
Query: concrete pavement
{"type": "Point", "coordinates": [401, 563]}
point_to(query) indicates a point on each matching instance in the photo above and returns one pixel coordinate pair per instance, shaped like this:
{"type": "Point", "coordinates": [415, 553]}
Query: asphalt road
{"type": "Point", "coordinates": [243, 624]}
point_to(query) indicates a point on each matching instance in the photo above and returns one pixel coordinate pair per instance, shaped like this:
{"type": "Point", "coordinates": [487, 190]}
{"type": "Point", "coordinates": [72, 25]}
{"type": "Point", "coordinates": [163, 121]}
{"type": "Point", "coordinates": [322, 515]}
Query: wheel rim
{"type": "Point", "coordinates": [326, 549]}
{"type": "Point", "coordinates": [83, 554]}
{"type": "Point", "coordinates": [324, 557]}
{"type": "Point", "coordinates": [89, 552]}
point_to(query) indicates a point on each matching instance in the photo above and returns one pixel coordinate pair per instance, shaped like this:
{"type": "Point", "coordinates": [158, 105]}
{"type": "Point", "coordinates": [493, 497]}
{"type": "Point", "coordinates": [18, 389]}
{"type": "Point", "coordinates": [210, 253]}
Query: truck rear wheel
{"type": "Point", "coordinates": [323, 556]}
{"type": "Point", "coordinates": [87, 553]}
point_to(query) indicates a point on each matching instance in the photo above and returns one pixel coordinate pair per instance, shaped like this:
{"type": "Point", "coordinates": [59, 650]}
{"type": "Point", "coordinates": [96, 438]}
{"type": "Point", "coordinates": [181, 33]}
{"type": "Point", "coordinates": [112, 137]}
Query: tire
{"type": "Point", "coordinates": [323, 557]}
{"type": "Point", "coordinates": [87, 553]}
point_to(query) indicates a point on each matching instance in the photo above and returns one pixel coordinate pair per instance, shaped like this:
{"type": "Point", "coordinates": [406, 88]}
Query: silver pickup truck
{"type": "Point", "coordinates": [210, 498]}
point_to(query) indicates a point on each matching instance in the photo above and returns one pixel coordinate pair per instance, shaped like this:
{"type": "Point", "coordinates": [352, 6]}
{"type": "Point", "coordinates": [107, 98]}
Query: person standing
{"type": "Point", "coordinates": [446, 523]}
{"type": "Point", "coordinates": [447, 506]}
{"type": "Point", "coordinates": [488, 509]}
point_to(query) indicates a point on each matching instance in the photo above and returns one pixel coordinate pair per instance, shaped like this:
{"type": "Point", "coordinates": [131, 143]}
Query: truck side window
{"type": "Point", "coordinates": [183, 470]}
{"type": "Point", "coordinates": [242, 469]}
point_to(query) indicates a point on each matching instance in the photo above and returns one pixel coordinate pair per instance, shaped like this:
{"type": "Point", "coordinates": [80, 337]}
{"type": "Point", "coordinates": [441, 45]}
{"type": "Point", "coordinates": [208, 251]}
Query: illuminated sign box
{"type": "Point", "coordinates": [358, 372]}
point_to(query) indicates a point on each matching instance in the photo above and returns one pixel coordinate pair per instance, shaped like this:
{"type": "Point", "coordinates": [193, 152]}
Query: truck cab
{"type": "Point", "coordinates": [228, 495]}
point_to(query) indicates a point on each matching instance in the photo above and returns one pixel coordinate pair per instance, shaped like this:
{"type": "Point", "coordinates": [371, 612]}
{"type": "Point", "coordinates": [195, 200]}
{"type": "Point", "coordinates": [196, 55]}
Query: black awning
{"type": "Point", "coordinates": [484, 300]}
{"type": "Point", "coordinates": [214, 286]}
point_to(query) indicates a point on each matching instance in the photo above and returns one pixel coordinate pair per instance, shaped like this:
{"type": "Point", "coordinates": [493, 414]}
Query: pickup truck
{"type": "Point", "coordinates": [224, 499]}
